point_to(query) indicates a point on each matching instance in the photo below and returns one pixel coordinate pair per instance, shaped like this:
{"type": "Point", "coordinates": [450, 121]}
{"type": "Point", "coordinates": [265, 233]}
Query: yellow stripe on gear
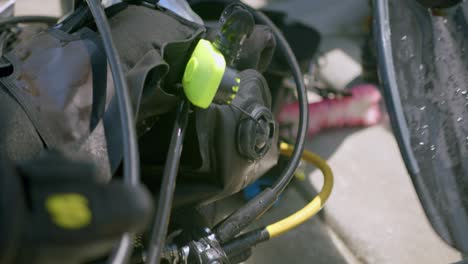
{"type": "Point", "coordinates": [315, 205]}
{"type": "Point", "coordinates": [69, 210]}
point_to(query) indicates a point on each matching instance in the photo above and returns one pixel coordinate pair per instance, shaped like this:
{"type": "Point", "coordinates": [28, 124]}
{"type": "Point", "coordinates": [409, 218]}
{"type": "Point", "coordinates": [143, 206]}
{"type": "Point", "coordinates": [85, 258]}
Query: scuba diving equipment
{"type": "Point", "coordinates": [62, 115]}
{"type": "Point", "coordinates": [11, 222]}
{"type": "Point", "coordinates": [210, 74]}
{"type": "Point", "coordinates": [236, 24]}
{"type": "Point", "coordinates": [131, 164]}
{"type": "Point", "coordinates": [209, 249]}
{"type": "Point", "coordinates": [423, 67]}
{"type": "Point", "coordinates": [212, 150]}
{"type": "Point", "coordinates": [153, 74]}
{"type": "Point", "coordinates": [57, 120]}
{"type": "Point", "coordinates": [62, 209]}
{"type": "Point", "coordinates": [255, 135]}
{"type": "Point", "coordinates": [207, 79]}
{"type": "Point", "coordinates": [256, 207]}
{"type": "Point", "coordinates": [171, 170]}
{"type": "Point", "coordinates": [156, 248]}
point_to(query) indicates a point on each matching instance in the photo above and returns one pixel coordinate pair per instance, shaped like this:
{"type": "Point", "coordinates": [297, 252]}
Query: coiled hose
{"type": "Point", "coordinates": [246, 241]}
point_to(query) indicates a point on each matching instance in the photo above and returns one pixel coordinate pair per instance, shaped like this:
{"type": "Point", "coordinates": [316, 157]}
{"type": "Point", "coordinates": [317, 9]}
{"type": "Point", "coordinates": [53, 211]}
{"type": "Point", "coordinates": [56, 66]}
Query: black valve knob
{"type": "Point", "coordinates": [255, 134]}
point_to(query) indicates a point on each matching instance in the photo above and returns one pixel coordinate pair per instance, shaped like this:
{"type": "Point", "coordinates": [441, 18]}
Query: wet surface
{"type": "Point", "coordinates": [431, 66]}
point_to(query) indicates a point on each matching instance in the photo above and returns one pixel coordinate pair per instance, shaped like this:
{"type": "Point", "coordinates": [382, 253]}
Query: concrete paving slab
{"type": "Point", "coordinates": [38, 7]}
{"type": "Point", "coordinates": [329, 17]}
{"type": "Point", "coordinates": [374, 207]}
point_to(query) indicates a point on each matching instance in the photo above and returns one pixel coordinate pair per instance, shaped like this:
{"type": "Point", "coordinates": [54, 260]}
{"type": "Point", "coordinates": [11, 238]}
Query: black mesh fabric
{"type": "Point", "coordinates": [430, 87]}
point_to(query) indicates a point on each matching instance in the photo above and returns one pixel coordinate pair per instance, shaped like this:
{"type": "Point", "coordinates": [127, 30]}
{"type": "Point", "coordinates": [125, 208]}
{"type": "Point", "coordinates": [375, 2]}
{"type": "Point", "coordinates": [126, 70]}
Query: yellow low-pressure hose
{"type": "Point", "coordinates": [315, 205]}
{"type": "Point", "coordinates": [262, 234]}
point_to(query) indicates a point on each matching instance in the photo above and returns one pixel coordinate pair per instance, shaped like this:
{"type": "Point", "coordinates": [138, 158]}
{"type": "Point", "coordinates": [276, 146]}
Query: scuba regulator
{"type": "Point", "coordinates": [210, 75]}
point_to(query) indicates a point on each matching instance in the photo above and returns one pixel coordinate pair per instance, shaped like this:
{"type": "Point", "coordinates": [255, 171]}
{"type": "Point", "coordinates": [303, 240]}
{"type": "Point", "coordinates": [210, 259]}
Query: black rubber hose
{"type": "Point", "coordinates": [27, 19]}
{"type": "Point", "coordinates": [256, 207]}
{"type": "Point", "coordinates": [168, 184]}
{"type": "Point", "coordinates": [288, 173]}
{"type": "Point", "coordinates": [131, 168]}
{"type": "Point", "coordinates": [246, 241]}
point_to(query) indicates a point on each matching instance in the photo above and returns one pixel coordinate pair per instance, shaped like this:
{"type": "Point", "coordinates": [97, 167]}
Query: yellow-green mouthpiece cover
{"type": "Point", "coordinates": [203, 74]}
